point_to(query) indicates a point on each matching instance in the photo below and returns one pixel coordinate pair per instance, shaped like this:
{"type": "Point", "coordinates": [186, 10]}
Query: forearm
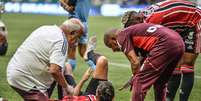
{"type": "Point", "coordinates": [134, 68]}
{"type": "Point", "coordinates": [135, 63]}
{"type": "Point", "coordinates": [56, 73]}
{"type": "Point", "coordinates": [60, 79]}
{"type": "Point", "coordinates": [85, 77]}
{"type": "Point", "coordinates": [78, 87]}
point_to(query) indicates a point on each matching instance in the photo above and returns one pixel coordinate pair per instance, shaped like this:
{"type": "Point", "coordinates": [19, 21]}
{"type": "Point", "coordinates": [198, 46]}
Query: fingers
{"type": "Point", "coordinates": [69, 90]}
{"type": "Point", "coordinates": [125, 86]}
{"type": "Point", "coordinates": [87, 74]}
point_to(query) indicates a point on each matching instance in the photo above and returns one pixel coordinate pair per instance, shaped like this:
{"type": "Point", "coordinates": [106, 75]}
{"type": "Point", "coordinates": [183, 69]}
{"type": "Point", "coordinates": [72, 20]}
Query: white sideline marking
{"type": "Point", "coordinates": [127, 66]}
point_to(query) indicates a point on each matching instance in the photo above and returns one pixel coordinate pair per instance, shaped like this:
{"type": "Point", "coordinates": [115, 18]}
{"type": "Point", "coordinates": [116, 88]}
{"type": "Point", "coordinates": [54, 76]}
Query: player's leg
{"type": "Point", "coordinates": [187, 69]}
{"type": "Point", "coordinates": [84, 46]}
{"type": "Point", "coordinates": [187, 66]}
{"type": "Point", "coordinates": [101, 71]}
{"type": "Point", "coordinates": [156, 70]}
{"type": "Point", "coordinates": [173, 85]}
{"type": "Point", "coordinates": [99, 74]}
{"type": "Point", "coordinates": [186, 86]}
{"type": "Point", "coordinates": [69, 75]}
{"type": "Point", "coordinates": [161, 83]}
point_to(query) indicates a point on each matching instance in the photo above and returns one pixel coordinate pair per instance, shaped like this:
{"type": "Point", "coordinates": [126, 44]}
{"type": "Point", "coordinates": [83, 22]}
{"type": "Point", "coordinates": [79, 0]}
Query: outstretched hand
{"type": "Point", "coordinates": [66, 6]}
{"type": "Point", "coordinates": [87, 74]}
{"type": "Point", "coordinates": [126, 85]}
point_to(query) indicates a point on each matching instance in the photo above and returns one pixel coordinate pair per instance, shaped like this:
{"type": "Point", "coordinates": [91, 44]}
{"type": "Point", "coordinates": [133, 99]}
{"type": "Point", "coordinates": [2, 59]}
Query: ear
{"type": "Point", "coordinates": [114, 38]}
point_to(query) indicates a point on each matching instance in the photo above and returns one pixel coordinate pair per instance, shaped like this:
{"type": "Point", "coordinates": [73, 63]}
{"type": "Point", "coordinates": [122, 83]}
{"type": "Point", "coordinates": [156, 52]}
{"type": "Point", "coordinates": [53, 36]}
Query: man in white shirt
{"type": "Point", "coordinates": [40, 60]}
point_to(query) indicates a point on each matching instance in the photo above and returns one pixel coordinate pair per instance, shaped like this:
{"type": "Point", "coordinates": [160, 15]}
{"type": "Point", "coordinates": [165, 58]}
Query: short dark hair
{"type": "Point", "coordinates": [125, 19]}
{"type": "Point", "coordinates": [109, 34]}
{"type": "Point", "coordinates": [105, 91]}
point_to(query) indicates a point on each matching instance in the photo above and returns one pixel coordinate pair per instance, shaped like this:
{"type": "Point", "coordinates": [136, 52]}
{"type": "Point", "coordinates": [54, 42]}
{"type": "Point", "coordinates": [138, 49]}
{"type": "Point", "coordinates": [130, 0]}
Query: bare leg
{"type": "Point", "coordinates": [101, 70]}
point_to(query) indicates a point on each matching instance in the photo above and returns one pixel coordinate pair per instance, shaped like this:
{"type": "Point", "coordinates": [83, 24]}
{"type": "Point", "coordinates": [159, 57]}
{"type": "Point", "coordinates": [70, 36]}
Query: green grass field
{"type": "Point", "coordinates": [21, 25]}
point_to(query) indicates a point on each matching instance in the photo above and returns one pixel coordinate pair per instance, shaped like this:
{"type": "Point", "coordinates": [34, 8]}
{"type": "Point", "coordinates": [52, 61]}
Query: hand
{"type": "Point", "coordinates": [126, 85]}
{"type": "Point", "coordinates": [69, 90]}
{"type": "Point", "coordinates": [87, 74]}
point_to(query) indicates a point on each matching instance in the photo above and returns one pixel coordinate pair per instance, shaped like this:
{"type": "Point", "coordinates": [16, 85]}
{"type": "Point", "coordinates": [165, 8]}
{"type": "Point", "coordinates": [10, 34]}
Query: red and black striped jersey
{"type": "Point", "coordinates": [80, 98]}
{"type": "Point", "coordinates": [175, 14]}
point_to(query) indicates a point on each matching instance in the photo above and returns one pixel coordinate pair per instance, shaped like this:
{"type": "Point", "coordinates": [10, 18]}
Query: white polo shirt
{"type": "Point", "coordinates": [28, 68]}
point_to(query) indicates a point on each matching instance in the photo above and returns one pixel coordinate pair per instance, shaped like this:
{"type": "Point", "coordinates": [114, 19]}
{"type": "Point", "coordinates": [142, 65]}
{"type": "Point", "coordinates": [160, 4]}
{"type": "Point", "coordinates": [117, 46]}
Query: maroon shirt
{"type": "Point", "coordinates": [144, 37]}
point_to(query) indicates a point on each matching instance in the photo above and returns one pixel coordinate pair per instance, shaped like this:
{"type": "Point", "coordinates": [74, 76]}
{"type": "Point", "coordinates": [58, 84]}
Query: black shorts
{"type": "Point", "coordinates": [3, 48]}
{"type": "Point", "coordinates": [189, 38]}
{"type": "Point", "coordinates": [92, 86]}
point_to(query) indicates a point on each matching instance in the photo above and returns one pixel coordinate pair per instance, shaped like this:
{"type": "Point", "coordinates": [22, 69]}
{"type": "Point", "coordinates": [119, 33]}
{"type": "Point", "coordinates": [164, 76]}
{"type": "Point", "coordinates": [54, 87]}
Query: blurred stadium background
{"type": "Point", "coordinates": [23, 16]}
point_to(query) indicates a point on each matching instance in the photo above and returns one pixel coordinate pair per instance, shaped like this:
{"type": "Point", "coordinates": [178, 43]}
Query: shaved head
{"type": "Point", "coordinates": [110, 34]}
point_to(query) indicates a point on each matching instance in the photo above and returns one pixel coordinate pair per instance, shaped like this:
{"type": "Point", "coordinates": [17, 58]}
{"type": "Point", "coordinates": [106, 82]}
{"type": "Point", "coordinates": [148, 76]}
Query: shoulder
{"type": "Point", "coordinates": [49, 32]}
{"type": "Point", "coordinates": [92, 97]}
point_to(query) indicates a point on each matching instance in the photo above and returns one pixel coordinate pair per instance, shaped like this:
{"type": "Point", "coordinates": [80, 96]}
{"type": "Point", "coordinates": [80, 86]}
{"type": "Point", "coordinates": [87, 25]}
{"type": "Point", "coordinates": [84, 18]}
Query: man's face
{"type": "Point", "coordinates": [112, 43]}
{"type": "Point", "coordinates": [73, 37]}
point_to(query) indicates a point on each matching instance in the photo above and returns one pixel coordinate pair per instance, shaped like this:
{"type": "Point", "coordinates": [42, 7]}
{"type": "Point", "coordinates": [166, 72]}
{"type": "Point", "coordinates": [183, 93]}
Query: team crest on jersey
{"type": "Point", "coordinates": [149, 10]}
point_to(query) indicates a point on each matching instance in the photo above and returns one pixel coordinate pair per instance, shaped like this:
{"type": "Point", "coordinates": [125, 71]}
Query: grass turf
{"type": "Point", "coordinates": [21, 25]}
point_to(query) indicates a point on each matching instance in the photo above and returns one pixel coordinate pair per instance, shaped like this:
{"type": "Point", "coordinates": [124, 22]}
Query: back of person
{"type": "Point", "coordinates": [175, 14]}
{"type": "Point", "coordinates": [146, 36]}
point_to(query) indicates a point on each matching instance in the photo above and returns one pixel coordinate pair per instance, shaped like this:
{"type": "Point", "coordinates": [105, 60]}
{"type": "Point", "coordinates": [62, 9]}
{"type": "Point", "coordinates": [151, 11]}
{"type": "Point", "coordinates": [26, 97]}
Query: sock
{"type": "Point", "coordinates": [186, 86]}
{"type": "Point", "coordinates": [173, 85]}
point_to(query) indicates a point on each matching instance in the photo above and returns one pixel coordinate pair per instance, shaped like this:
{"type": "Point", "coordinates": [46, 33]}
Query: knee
{"type": "Point", "coordinates": [189, 59]}
{"type": "Point", "coordinates": [103, 61]}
